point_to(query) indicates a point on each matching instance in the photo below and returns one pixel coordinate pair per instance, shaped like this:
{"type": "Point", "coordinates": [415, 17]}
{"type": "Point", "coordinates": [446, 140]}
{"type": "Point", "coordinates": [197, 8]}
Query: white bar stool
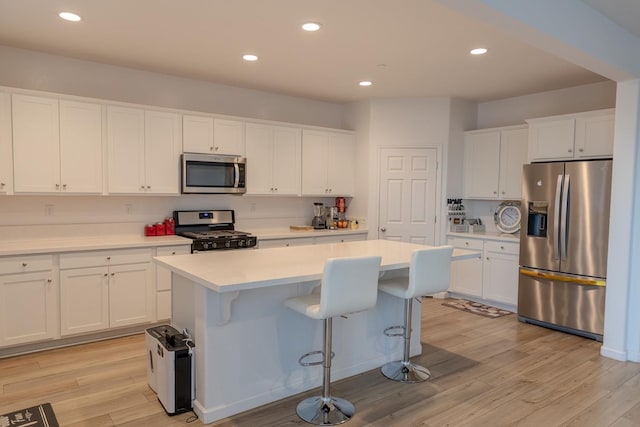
{"type": "Point", "coordinates": [429, 273]}
{"type": "Point", "coordinates": [348, 285]}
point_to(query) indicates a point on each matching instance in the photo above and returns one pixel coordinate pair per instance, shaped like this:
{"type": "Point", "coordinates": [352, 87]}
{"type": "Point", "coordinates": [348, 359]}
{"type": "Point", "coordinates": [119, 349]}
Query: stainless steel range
{"type": "Point", "coordinates": [212, 230]}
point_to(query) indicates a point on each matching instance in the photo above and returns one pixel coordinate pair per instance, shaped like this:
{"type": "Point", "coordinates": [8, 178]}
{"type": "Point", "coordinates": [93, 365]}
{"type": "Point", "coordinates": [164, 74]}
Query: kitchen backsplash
{"type": "Point", "coordinates": [49, 216]}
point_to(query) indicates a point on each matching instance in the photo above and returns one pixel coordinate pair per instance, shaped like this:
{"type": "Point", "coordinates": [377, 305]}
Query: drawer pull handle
{"type": "Point", "coordinates": [105, 274]}
{"type": "Point", "coordinates": [113, 274]}
{"type": "Point", "coordinates": [502, 247]}
{"type": "Point", "coordinates": [108, 258]}
{"type": "Point", "coordinates": [173, 253]}
{"type": "Point", "coordinates": [24, 264]}
{"type": "Point", "coordinates": [49, 281]}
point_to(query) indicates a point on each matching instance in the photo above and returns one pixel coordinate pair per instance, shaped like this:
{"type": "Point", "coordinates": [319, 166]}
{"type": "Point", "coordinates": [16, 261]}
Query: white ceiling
{"type": "Point", "coordinates": [407, 47]}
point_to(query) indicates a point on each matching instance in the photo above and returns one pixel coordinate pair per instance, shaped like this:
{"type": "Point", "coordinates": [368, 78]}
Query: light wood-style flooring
{"type": "Point", "coordinates": [487, 372]}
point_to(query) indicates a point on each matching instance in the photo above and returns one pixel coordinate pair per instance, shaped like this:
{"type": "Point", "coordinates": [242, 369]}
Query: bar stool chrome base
{"type": "Point", "coordinates": [315, 410]}
{"type": "Point", "coordinates": [405, 372]}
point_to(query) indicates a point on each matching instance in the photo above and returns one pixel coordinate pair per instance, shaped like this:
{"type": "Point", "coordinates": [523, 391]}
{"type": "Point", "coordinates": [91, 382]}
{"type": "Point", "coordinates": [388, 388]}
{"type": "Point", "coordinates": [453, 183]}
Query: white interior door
{"type": "Point", "coordinates": [407, 210]}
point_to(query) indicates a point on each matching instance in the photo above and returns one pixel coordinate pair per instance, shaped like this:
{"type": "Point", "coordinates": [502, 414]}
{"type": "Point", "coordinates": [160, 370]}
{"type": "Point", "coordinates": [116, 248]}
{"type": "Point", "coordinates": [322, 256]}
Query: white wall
{"type": "Point", "coordinates": [38, 71]}
{"type": "Point", "coordinates": [358, 117]}
{"type": "Point", "coordinates": [514, 111]}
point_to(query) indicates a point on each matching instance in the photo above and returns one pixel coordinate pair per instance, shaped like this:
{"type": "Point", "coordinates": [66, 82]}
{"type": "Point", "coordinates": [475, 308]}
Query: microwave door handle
{"type": "Point", "coordinates": [237, 175]}
{"type": "Point", "coordinates": [564, 218]}
{"type": "Point", "coordinates": [556, 218]}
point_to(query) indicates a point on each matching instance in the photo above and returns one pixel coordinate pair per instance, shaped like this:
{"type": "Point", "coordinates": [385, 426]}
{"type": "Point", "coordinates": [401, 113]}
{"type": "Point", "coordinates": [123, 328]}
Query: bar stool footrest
{"type": "Point", "coordinates": [387, 331]}
{"type": "Point", "coordinates": [313, 353]}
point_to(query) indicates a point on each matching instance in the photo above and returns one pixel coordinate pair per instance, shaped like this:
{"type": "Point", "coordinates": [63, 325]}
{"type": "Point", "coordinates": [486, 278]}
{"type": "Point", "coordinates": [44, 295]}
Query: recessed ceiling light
{"type": "Point", "coordinates": [365, 83]}
{"type": "Point", "coordinates": [250, 57]}
{"type": "Point", "coordinates": [68, 16]}
{"type": "Point", "coordinates": [311, 26]}
{"type": "Point", "coordinates": [478, 51]}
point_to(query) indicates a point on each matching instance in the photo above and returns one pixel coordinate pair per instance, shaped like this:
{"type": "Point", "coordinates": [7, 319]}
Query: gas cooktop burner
{"type": "Point", "coordinates": [212, 230]}
{"type": "Point", "coordinates": [214, 234]}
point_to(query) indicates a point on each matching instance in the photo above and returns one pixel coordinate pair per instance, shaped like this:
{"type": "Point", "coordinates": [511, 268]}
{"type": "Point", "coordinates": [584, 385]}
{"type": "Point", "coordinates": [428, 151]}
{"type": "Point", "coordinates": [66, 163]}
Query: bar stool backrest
{"type": "Point", "coordinates": [349, 285]}
{"type": "Point", "coordinates": [430, 271]}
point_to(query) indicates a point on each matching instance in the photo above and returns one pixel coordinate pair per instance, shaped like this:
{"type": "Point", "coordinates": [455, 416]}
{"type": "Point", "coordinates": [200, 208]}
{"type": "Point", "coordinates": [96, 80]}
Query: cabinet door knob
{"type": "Point", "coordinates": [487, 258]}
{"type": "Point", "coordinates": [108, 258]}
{"type": "Point", "coordinates": [275, 189]}
{"type": "Point", "coordinates": [49, 281]}
{"type": "Point", "coordinates": [466, 243]}
{"type": "Point", "coordinates": [64, 186]}
{"type": "Point", "coordinates": [24, 264]}
{"type": "Point", "coordinates": [210, 148]}
{"type": "Point", "coordinates": [495, 192]}
{"type": "Point", "coordinates": [113, 274]}
{"type": "Point", "coordinates": [2, 184]}
{"type": "Point", "coordinates": [173, 253]}
{"type": "Point", "coordinates": [105, 274]}
{"type": "Point", "coordinates": [57, 186]}
{"type": "Point", "coordinates": [148, 187]}
{"type": "Point", "coordinates": [503, 192]}
{"type": "Point", "coordinates": [287, 244]}
{"type": "Point", "coordinates": [216, 148]}
{"type": "Point", "coordinates": [581, 149]}
{"type": "Point", "coordinates": [570, 150]}
{"type": "Point", "coordinates": [142, 187]}
{"type": "Point", "coordinates": [502, 247]}
{"type": "Point", "coordinates": [383, 229]}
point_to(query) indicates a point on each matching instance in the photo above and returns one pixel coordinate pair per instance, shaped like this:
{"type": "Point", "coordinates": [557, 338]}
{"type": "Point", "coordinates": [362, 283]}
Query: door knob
{"type": "Point", "coordinates": [383, 229]}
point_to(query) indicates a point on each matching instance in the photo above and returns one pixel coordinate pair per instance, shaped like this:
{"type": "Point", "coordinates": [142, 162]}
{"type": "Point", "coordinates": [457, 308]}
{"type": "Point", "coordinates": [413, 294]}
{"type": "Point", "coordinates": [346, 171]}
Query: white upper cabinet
{"type": "Point", "coordinates": [493, 162]}
{"type": "Point", "coordinates": [80, 147]}
{"type": "Point", "coordinates": [6, 150]}
{"type": "Point", "coordinates": [144, 151]}
{"type": "Point", "coordinates": [572, 136]}
{"type": "Point", "coordinates": [57, 146]}
{"type": "Point", "coordinates": [327, 163]}
{"type": "Point", "coordinates": [228, 137]}
{"type": "Point", "coordinates": [207, 135]}
{"type": "Point", "coordinates": [273, 159]}
{"type": "Point", "coordinates": [162, 146]}
{"type": "Point", "coordinates": [36, 144]}
{"type": "Point", "coordinates": [197, 134]}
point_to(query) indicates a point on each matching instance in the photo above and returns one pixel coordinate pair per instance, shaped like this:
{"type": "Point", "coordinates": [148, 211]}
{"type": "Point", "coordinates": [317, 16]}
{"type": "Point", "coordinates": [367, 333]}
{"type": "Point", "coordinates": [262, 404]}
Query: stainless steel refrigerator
{"type": "Point", "coordinates": [563, 245]}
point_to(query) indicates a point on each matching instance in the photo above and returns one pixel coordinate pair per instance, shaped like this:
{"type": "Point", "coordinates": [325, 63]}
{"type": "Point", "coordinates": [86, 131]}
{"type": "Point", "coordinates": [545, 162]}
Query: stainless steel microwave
{"type": "Point", "coordinates": [211, 174]}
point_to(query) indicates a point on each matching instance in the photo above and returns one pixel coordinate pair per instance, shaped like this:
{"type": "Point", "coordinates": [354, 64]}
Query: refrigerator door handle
{"type": "Point", "coordinates": [556, 218]}
{"type": "Point", "coordinates": [564, 237]}
{"type": "Point", "coordinates": [551, 276]}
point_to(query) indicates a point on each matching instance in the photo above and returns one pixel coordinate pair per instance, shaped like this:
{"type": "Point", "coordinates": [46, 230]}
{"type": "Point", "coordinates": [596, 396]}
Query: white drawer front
{"type": "Point", "coordinates": [462, 243]}
{"type": "Point", "coordinates": [26, 263]}
{"type": "Point", "coordinates": [173, 250]}
{"type": "Point", "coordinates": [110, 257]}
{"type": "Point", "coordinates": [504, 247]}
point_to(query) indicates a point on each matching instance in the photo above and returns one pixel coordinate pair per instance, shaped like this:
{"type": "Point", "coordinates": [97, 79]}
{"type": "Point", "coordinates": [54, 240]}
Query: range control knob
{"type": "Point", "coordinates": [205, 245]}
{"type": "Point", "coordinates": [214, 245]}
{"type": "Point", "coordinates": [227, 244]}
{"type": "Point", "coordinates": [240, 242]}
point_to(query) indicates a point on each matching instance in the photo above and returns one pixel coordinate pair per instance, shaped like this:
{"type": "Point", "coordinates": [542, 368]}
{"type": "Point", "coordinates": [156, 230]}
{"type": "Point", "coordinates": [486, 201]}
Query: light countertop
{"type": "Point", "coordinates": [228, 271]}
{"type": "Point", "coordinates": [487, 235]}
{"type": "Point", "coordinates": [73, 244]}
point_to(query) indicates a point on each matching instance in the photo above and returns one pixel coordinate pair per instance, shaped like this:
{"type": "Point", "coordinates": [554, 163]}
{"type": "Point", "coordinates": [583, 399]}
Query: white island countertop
{"type": "Point", "coordinates": [228, 271]}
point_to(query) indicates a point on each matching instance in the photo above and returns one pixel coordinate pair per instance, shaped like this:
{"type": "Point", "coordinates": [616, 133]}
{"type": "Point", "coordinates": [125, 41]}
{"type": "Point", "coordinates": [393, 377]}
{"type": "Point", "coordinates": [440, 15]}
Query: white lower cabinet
{"type": "Point", "coordinates": [28, 300]}
{"type": "Point", "coordinates": [106, 289]}
{"type": "Point", "coordinates": [500, 273]}
{"type": "Point", "coordinates": [492, 277]}
{"type": "Point", "coordinates": [466, 275]}
{"type": "Point", "coordinates": [163, 281]}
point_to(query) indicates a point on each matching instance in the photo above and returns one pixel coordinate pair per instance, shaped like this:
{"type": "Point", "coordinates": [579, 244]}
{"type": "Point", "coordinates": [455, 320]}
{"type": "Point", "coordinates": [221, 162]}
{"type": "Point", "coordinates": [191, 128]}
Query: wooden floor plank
{"type": "Point", "coordinates": [485, 372]}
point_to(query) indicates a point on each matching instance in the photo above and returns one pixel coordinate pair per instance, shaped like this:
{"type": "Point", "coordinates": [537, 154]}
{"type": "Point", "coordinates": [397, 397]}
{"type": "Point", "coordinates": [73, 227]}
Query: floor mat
{"type": "Point", "coordinates": [477, 308]}
{"type": "Point", "coordinates": [35, 416]}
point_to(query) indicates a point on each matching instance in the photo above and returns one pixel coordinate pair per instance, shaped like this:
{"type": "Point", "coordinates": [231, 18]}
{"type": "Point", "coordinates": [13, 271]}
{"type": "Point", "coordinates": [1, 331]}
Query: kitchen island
{"type": "Point", "coordinates": [247, 343]}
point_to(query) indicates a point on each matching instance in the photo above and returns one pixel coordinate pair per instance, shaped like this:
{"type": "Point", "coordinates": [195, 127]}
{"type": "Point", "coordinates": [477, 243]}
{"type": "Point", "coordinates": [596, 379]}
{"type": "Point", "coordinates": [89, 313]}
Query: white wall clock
{"type": "Point", "coordinates": [507, 217]}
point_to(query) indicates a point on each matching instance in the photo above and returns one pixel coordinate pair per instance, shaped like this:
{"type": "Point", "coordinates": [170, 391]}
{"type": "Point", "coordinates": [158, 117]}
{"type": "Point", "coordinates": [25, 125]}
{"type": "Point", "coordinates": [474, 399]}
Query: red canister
{"type": "Point", "coordinates": [149, 230]}
{"type": "Point", "coordinates": [341, 204]}
{"type": "Point", "coordinates": [169, 226]}
{"type": "Point", "coordinates": [160, 229]}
